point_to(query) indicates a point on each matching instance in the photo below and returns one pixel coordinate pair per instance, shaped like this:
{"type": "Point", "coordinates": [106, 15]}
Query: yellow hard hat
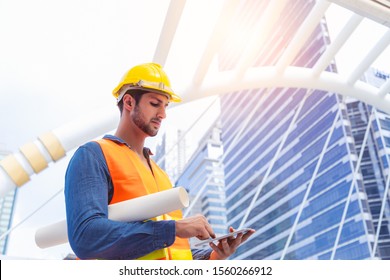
{"type": "Point", "coordinates": [148, 76]}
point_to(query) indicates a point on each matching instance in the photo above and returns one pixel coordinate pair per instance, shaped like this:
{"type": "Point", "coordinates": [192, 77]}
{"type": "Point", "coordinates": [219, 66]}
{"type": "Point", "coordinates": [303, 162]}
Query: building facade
{"type": "Point", "coordinates": [171, 153]}
{"type": "Point", "coordinates": [6, 211]}
{"type": "Point", "coordinates": [203, 178]}
{"type": "Point", "coordinates": [371, 132]}
{"type": "Point", "coordinates": [290, 162]}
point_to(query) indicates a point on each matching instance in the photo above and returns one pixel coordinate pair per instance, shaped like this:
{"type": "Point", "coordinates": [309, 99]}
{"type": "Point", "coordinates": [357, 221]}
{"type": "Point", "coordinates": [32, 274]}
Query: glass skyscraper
{"type": "Point", "coordinates": [291, 164]}
{"type": "Point", "coordinates": [371, 132]}
{"type": "Point", "coordinates": [203, 178]}
{"type": "Point", "coordinates": [171, 153]}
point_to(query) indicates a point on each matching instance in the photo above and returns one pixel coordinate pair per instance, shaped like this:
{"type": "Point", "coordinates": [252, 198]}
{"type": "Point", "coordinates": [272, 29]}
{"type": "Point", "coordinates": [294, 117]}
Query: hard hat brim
{"type": "Point", "coordinates": [171, 96]}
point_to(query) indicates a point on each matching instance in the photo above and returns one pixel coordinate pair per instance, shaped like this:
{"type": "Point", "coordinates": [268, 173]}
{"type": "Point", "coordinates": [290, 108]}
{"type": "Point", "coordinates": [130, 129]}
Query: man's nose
{"type": "Point", "coordinates": [162, 113]}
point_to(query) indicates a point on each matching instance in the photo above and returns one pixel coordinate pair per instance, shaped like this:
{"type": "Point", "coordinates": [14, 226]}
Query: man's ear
{"type": "Point", "coordinates": [128, 101]}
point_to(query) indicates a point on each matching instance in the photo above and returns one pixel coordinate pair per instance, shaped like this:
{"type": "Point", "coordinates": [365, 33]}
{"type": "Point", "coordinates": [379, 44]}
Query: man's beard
{"type": "Point", "coordinates": [138, 119]}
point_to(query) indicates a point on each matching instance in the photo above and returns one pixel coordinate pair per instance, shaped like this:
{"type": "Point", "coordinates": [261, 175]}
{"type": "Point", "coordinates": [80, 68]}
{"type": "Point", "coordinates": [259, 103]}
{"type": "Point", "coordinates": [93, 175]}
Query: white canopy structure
{"type": "Point", "coordinates": [206, 80]}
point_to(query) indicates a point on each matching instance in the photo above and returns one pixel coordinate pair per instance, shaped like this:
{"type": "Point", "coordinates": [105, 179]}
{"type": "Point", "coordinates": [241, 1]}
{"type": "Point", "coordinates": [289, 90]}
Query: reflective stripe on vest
{"type": "Point", "coordinates": [131, 179]}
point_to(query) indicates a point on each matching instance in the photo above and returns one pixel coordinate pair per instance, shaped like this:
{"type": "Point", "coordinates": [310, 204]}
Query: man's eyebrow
{"type": "Point", "coordinates": [159, 100]}
{"type": "Point", "coordinates": [155, 99]}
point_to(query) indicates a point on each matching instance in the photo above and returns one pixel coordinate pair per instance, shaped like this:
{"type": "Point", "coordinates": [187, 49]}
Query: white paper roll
{"type": "Point", "coordinates": [137, 209]}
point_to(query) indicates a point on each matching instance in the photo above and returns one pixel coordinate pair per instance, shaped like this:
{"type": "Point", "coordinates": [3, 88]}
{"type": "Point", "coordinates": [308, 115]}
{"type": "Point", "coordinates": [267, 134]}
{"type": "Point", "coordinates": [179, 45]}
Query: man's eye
{"type": "Point", "coordinates": [154, 104]}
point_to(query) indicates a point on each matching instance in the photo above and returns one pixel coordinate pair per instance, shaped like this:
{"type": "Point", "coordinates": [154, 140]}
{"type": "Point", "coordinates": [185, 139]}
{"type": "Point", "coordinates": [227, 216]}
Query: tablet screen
{"type": "Point", "coordinates": [234, 233]}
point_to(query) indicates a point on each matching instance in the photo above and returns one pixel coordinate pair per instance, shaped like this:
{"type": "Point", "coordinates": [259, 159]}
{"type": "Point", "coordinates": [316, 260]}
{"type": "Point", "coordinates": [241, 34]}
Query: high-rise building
{"type": "Point", "coordinates": [6, 211]}
{"type": "Point", "coordinates": [161, 151]}
{"type": "Point", "coordinates": [371, 132]}
{"type": "Point", "coordinates": [203, 179]}
{"type": "Point", "coordinates": [291, 165]}
{"type": "Point", "coordinates": [181, 151]}
{"type": "Point", "coordinates": [171, 152]}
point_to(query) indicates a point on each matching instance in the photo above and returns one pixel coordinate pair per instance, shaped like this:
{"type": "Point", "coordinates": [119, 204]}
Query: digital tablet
{"type": "Point", "coordinates": [234, 233]}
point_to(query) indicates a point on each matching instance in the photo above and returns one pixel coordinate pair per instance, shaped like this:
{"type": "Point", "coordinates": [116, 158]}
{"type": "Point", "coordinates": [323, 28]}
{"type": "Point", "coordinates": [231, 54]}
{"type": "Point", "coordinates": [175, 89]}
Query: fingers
{"type": "Point", "coordinates": [205, 230]}
{"type": "Point", "coordinates": [196, 226]}
{"type": "Point", "coordinates": [231, 229]}
{"type": "Point", "coordinates": [210, 231]}
{"type": "Point", "coordinates": [222, 251]}
{"type": "Point", "coordinates": [204, 234]}
{"type": "Point", "coordinates": [241, 237]}
{"type": "Point", "coordinates": [228, 246]}
{"type": "Point", "coordinates": [247, 235]}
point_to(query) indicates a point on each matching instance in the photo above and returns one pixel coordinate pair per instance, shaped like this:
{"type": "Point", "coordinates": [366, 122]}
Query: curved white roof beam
{"type": "Point", "coordinates": [370, 58]}
{"type": "Point", "coordinates": [261, 33]}
{"type": "Point", "coordinates": [384, 89]}
{"type": "Point", "coordinates": [219, 33]}
{"type": "Point", "coordinates": [294, 77]}
{"type": "Point", "coordinates": [302, 35]}
{"type": "Point", "coordinates": [17, 168]}
{"type": "Point", "coordinates": [377, 10]}
{"type": "Point", "coordinates": [284, 75]}
{"type": "Point", "coordinates": [167, 34]}
{"type": "Point", "coordinates": [334, 47]}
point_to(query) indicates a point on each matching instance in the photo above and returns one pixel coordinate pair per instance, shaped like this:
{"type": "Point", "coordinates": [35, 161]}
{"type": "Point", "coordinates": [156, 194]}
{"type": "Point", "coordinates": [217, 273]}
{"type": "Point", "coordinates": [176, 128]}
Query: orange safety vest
{"type": "Point", "coordinates": [131, 179]}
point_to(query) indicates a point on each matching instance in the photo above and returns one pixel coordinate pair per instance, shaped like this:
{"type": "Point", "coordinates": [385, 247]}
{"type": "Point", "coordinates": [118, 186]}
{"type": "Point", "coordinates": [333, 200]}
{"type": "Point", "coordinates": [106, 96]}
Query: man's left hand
{"type": "Point", "coordinates": [226, 247]}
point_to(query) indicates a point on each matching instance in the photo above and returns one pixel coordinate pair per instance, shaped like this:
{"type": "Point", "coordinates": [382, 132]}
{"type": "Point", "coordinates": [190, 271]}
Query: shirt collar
{"type": "Point", "coordinates": [116, 139]}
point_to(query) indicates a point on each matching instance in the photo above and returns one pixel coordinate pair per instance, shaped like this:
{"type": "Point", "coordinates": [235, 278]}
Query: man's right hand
{"type": "Point", "coordinates": [196, 226]}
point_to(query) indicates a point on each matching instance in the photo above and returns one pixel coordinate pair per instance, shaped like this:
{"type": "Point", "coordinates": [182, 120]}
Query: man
{"type": "Point", "coordinates": [118, 168]}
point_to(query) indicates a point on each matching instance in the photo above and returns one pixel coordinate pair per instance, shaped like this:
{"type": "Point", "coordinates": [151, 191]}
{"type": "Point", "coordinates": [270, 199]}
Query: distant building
{"type": "Point", "coordinates": [203, 178]}
{"type": "Point", "coordinates": [374, 165]}
{"type": "Point", "coordinates": [171, 153]}
{"type": "Point", "coordinates": [6, 210]}
{"type": "Point", "coordinates": [160, 153]}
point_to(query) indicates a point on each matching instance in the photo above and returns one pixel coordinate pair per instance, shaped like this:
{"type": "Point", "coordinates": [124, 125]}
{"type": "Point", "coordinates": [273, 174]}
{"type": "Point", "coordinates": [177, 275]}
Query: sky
{"type": "Point", "coordinates": [60, 60]}
{"type": "Point", "coordinates": [361, 41]}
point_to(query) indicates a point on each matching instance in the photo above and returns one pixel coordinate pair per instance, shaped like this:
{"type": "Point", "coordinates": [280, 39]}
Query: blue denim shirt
{"type": "Point", "coordinates": [88, 191]}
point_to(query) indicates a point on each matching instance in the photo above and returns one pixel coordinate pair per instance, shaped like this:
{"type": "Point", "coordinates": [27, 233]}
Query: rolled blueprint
{"type": "Point", "coordinates": [136, 209]}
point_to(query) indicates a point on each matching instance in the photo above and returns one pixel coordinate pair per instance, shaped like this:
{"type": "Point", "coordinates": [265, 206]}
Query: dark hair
{"type": "Point", "coordinates": [135, 93]}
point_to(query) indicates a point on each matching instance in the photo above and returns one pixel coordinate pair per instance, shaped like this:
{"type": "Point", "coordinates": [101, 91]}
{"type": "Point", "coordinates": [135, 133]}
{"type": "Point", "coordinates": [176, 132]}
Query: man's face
{"type": "Point", "coordinates": [149, 112]}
